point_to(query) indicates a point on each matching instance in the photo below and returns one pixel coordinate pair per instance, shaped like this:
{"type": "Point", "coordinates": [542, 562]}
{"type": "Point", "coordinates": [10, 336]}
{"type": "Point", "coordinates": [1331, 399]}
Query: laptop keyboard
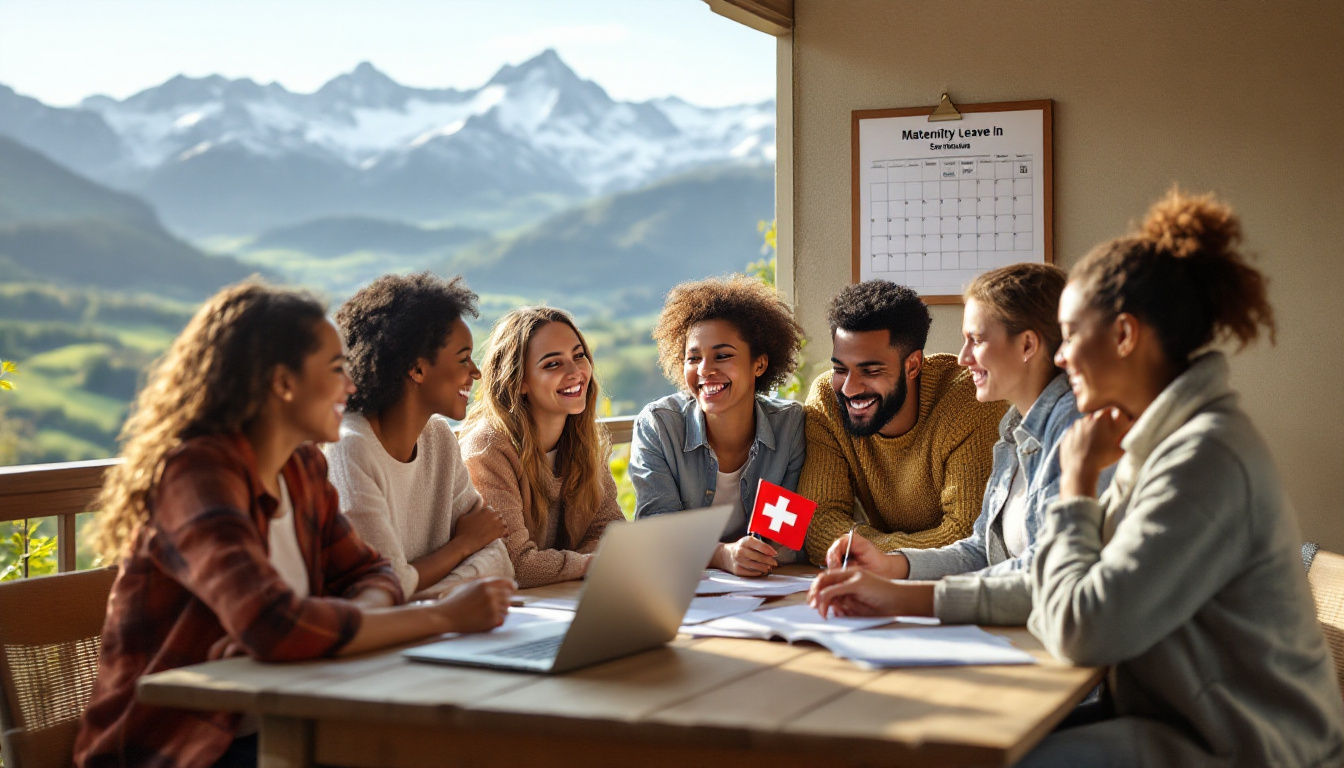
{"type": "Point", "coordinates": [536, 650]}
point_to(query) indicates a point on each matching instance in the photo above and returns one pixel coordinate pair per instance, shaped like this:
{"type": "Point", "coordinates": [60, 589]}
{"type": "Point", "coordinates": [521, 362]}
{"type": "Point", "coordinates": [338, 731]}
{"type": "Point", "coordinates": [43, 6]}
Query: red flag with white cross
{"type": "Point", "coordinates": [781, 515]}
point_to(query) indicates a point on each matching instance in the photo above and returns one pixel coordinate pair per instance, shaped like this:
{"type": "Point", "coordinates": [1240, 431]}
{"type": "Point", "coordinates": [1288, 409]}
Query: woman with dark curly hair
{"type": "Point", "coordinates": [398, 466]}
{"type": "Point", "coordinates": [726, 342]}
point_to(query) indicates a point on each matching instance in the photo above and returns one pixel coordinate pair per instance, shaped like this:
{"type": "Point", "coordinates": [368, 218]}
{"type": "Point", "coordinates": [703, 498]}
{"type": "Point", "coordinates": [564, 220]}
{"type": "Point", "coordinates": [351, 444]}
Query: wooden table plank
{"type": "Point", "coordinates": [627, 690]}
{"type": "Point", "coordinates": [1010, 707]}
{"type": "Point", "coordinates": [767, 701]}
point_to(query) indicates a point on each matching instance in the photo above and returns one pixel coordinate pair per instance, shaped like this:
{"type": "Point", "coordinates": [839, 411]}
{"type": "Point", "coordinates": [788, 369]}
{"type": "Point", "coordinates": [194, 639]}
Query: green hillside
{"type": "Point", "coordinates": [621, 253]}
{"type": "Point", "coordinates": [35, 189]}
{"type": "Point", "coordinates": [58, 227]}
{"type": "Point", "coordinates": [339, 235]}
{"type": "Point", "coordinates": [82, 353]}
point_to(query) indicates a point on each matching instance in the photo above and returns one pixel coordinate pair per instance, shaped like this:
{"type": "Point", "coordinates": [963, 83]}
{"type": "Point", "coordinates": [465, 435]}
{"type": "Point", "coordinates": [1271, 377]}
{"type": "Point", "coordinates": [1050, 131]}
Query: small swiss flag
{"type": "Point", "coordinates": [781, 515]}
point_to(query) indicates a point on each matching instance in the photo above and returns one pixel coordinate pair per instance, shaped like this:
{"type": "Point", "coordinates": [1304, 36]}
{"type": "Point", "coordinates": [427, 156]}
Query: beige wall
{"type": "Point", "coordinates": [1242, 98]}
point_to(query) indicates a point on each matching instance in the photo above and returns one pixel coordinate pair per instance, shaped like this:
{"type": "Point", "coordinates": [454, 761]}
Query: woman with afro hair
{"type": "Point", "coordinates": [726, 342]}
{"type": "Point", "coordinates": [398, 466]}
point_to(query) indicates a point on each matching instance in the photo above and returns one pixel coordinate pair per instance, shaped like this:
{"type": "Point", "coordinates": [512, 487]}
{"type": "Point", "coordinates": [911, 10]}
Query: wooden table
{"type": "Point", "coordinates": [695, 702]}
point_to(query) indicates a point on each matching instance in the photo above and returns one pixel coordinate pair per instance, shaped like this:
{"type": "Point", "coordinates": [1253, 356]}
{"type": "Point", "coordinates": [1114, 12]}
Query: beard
{"type": "Point", "coordinates": [887, 409]}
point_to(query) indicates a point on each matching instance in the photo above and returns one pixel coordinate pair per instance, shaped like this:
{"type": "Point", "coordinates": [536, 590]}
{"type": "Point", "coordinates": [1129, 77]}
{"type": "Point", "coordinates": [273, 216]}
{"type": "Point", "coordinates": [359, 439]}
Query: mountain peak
{"type": "Point", "coordinates": [548, 63]}
{"type": "Point", "coordinates": [365, 86]}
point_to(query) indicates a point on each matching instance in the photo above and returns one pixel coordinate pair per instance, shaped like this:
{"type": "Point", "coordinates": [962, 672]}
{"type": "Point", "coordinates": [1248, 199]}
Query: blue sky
{"type": "Point", "coordinates": [63, 50]}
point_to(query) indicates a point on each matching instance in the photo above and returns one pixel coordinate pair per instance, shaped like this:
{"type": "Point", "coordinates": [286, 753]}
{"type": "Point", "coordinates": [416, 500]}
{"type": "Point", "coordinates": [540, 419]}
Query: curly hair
{"type": "Point", "coordinates": [391, 323]}
{"type": "Point", "coordinates": [879, 305]}
{"type": "Point", "coordinates": [585, 445]}
{"type": "Point", "coordinates": [763, 320]}
{"type": "Point", "coordinates": [213, 380]}
{"type": "Point", "coordinates": [1182, 274]}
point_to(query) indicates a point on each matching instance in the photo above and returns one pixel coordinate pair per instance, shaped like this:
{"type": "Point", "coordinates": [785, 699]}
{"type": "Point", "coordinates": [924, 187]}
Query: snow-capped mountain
{"type": "Point", "coordinates": [231, 156]}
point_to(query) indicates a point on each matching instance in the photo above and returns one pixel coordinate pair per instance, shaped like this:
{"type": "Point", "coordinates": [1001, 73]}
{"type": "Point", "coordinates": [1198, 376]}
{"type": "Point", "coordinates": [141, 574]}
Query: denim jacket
{"type": "Point", "coordinates": [673, 468]}
{"type": "Point", "coordinates": [999, 591]}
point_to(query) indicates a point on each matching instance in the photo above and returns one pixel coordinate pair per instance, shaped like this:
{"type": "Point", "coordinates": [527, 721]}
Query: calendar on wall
{"type": "Point", "coordinates": [937, 203]}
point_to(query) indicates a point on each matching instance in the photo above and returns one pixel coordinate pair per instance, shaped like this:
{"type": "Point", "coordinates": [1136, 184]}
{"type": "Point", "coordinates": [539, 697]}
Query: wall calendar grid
{"type": "Point", "coordinates": [931, 212]}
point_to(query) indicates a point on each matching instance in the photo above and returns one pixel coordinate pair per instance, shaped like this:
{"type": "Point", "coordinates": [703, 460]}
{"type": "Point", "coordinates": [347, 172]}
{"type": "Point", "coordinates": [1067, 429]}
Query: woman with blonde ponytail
{"type": "Point", "coordinates": [229, 537]}
{"type": "Point", "coordinates": [1185, 577]}
{"type": "Point", "coordinates": [534, 448]}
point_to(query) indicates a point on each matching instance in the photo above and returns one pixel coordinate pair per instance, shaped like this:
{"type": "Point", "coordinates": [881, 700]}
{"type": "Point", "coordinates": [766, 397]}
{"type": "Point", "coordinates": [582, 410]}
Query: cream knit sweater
{"type": "Point", "coordinates": [408, 510]}
{"type": "Point", "coordinates": [497, 472]}
{"type": "Point", "coordinates": [920, 490]}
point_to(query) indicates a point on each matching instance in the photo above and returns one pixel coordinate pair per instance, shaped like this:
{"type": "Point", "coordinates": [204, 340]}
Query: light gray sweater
{"type": "Point", "coordinates": [408, 510]}
{"type": "Point", "coordinates": [1187, 578]}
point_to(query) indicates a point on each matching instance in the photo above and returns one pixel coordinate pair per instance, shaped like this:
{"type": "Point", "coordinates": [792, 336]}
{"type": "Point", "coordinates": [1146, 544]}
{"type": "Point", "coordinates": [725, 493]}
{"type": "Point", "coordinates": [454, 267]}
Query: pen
{"type": "Point", "coordinates": [848, 543]}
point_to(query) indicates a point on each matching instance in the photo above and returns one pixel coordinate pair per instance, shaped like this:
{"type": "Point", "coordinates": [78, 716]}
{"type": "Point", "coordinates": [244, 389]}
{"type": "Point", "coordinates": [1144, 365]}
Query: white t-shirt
{"type": "Point", "coordinates": [728, 491]}
{"type": "Point", "coordinates": [285, 553]}
{"type": "Point", "coordinates": [1014, 517]}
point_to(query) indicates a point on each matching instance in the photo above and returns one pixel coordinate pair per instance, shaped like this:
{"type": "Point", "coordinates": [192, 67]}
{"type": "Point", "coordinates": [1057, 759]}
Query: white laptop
{"type": "Point", "coordinates": [638, 588]}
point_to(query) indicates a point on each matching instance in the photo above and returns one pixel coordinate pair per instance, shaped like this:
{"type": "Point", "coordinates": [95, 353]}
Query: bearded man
{"type": "Point", "coordinates": [896, 441]}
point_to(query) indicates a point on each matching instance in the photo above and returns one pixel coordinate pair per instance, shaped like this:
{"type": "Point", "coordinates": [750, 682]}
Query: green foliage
{"type": "Point", "coordinates": [26, 551]}
{"type": "Point", "coordinates": [764, 270]}
{"type": "Point", "coordinates": [7, 368]}
{"type": "Point", "coordinates": [620, 471]}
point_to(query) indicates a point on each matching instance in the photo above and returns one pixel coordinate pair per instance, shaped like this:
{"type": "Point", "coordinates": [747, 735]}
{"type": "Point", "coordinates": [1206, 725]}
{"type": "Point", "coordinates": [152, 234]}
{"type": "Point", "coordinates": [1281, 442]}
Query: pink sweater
{"type": "Point", "coordinates": [497, 473]}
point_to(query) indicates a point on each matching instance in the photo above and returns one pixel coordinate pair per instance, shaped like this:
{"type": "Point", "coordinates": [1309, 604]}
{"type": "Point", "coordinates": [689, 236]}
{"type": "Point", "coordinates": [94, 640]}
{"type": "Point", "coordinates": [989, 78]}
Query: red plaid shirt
{"type": "Point", "coordinates": [199, 572]}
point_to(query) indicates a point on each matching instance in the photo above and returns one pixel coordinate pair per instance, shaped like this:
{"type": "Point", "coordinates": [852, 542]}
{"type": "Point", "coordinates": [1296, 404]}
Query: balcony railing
{"type": "Point", "coordinates": [68, 489]}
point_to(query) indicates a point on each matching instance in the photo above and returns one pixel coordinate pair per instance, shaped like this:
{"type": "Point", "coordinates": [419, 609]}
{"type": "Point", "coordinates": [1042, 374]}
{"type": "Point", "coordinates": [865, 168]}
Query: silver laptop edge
{"type": "Point", "coordinates": [637, 590]}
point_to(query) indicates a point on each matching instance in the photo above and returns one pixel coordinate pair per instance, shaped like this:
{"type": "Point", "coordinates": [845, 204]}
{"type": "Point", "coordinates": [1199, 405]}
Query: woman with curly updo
{"type": "Point", "coordinates": [1185, 577]}
{"type": "Point", "coordinates": [726, 342]}
{"type": "Point", "coordinates": [398, 466]}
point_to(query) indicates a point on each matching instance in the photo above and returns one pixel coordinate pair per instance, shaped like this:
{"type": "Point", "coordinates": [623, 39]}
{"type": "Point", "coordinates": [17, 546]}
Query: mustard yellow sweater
{"type": "Point", "coordinates": [920, 490]}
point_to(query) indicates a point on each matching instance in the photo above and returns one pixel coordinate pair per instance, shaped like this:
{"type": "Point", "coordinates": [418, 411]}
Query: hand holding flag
{"type": "Point", "coordinates": [781, 515]}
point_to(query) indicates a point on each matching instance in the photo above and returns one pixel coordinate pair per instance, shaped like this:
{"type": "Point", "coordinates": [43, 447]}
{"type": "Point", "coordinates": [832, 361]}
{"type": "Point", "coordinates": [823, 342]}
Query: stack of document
{"type": "Point", "coordinates": [716, 582]}
{"type": "Point", "coordinates": [856, 639]}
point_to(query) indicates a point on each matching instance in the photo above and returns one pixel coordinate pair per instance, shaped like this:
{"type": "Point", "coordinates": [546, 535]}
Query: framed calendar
{"type": "Point", "coordinates": [937, 203]}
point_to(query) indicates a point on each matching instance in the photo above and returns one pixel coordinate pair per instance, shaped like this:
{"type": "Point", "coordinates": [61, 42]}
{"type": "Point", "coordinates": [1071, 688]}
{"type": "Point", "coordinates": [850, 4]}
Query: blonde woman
{"type": "Point", "coordinates": [534, 448]}
{"type": "Point", "coordinates": [229, 536]}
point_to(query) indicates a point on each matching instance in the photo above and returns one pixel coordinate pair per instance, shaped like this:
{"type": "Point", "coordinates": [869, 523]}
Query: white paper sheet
{"type": "Point", "coordinates": [555, 603]}
{"type": "Point", "coordinates": [924, 647]}
{"type": "Point", "coordinates": [702, 609]}
{"type": "Point", "coordinates": [791, 623]}
{"type": "Point", "coordinates": [711, 608]}
{"type": "Point", "coordinates": [717, 582]}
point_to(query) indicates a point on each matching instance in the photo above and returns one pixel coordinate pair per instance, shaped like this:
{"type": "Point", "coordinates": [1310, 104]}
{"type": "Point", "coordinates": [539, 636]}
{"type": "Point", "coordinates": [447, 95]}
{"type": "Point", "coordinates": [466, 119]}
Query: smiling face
{"type": "Point", "coordinates": [1089, 352]}
{"type": "Point", "coordinates": [718, 368]}
{"type": "Point", "coordinates": [558, 372]}
{"type": "Point", "coordinates": [999, 363]}
{"type": "Point", "coordinates": [868, 376]}
{"type": "Point", "coordinates": [445, 383]}
{"type": "Point", "coordinates": [312, 400]}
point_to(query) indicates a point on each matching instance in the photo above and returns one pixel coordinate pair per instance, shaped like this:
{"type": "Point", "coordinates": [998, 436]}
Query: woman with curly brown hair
{"type": "Point", "coordinates": [726, 342]}
{"type": "Point", "coordinates": [1185, 577]}
{"type": "Point", "coordinates": [534, 448]}
{"type": "Point", "coordinates": [398, 466]}
{"type": "Point", "coordinates": [229, 536]}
